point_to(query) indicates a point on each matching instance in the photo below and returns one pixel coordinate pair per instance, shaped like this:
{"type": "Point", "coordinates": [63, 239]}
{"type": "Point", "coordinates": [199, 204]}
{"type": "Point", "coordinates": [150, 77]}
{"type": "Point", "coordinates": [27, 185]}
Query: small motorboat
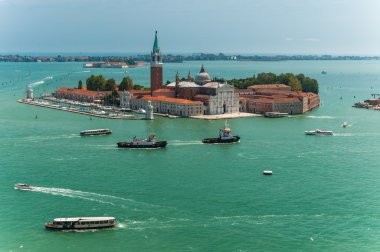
{"type": "Point", "coordinates": [141, 111]}
{"type": "Point", "coordinates": [345, 125]}
{"type": "Point", "coordinates": [267, 172]}
{"type": "Point", "coordinates": [319, 132]}
{"type": "Point", "coordinates": [25, 187]}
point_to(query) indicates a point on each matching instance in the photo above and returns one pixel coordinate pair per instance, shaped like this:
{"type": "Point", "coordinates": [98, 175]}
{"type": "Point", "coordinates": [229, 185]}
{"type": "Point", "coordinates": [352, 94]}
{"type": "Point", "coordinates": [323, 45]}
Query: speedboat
{"type": "Point", "coordinates": [319, 132]}
{"type": "Point", "coordinates": [224, 137]}
{"type": "Point", "coordinates": [345, 125]}
{"type": "Point", "coordinates": [25, 187]}
{"type": "Point", "coordinates": [81, 223]}
{"type": "Point", "coordinates": [267, 172]}
{"type": "Point", "coordinates": [149, 143]}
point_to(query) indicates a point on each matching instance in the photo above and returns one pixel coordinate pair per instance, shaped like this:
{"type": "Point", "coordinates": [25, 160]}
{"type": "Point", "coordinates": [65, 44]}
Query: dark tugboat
{"type": "Point", "coordinates": [224, 137]}
{"type": "Point", "coordinates": [149, 143]}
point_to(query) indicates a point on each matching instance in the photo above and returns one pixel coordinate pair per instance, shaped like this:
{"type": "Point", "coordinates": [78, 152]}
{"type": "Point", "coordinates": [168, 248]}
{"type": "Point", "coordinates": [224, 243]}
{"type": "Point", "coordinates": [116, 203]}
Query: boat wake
{"type": "Point", "coordinates": [36, 83]}
{"type": "Point", "coordinates": [321, 117]}
{"type": "Point", "coordinates": [96, 197]}
{"type": "Point", "coordinates": [182, 143]}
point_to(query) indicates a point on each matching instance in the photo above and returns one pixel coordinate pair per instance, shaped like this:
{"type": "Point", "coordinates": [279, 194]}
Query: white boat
{"type": "Point", "coordinates": [267, 172]}
{"type": "Point", "coordinates": [81, 223]}
{"type": "Point", "coordinates": [95, 132]}
{"type": "Point", "coordinates": [345, 125]}
{"type": "Point", "coordinates": [25, 187]}
{"type": "Point", "coordinates": [275, 114]}
{"type": "Point", "coordinates": [141, 111]}
{"type": "Point", "coordinates": [319, 132]}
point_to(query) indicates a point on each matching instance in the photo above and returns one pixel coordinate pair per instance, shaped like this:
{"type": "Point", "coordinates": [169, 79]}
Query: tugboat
{"type": "Point", "coordinates": [224, 136]}
{"type": "Point", "coordinates": [149, 143]}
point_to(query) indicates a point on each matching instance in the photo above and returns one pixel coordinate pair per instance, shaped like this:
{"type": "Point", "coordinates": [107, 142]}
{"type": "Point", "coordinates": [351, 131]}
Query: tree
{"type": "Point", "coordinates": [110, 85]}
{"type": "Point", "coordinates": [80, 84]}
{"type": "Point", "coordinates": [126, 84]}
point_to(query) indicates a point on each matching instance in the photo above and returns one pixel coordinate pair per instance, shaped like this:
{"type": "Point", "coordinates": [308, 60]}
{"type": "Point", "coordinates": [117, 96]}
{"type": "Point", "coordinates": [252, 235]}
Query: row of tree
{"type": "Point", "coordinates": [298, 82]}
{"type": "Point", "coordinates": [99, 83]}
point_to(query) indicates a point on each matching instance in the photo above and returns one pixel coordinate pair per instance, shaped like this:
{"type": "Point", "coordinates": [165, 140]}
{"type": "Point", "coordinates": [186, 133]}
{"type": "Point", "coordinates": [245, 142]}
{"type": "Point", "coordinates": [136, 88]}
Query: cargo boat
{"type": "Point", "coordinates": [149, 143]}
{"type": "Point", "coordinates": [81, 223]}
{"type": "Point", "coordinates": [224, 136]}
{"type": "Point", "coordinates": [95, 132]}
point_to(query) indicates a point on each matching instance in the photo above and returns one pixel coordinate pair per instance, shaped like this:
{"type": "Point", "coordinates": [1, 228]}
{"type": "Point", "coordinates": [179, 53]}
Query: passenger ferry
{"type": "Point", "coordinates": [149, 143]}
{"type": "Point", "coordinates": [224, 136]}
{"type": "Point", "coordinates": [81, 223]}
{"type": "Point", "coordinates": [319, 132]}
{"type": "Point", "coordinates": [95, 132]}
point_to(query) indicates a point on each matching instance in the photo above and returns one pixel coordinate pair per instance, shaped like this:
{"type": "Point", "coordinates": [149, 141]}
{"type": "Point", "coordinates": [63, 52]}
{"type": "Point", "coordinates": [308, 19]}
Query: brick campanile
{"type": "Point", "coordinates": [156, 66]}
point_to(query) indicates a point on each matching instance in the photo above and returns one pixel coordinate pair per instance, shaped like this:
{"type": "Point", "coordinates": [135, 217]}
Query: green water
{"type": "Point", "coordinates": [324, 194]}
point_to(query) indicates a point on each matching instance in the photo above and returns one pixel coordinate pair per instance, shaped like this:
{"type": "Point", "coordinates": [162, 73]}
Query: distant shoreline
{"type": "Point", "coordinates": [179, 58]}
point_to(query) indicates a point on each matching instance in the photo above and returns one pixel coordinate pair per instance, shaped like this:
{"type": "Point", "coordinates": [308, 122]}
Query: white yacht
{"type": "Point", "coordinates": [81, 223]}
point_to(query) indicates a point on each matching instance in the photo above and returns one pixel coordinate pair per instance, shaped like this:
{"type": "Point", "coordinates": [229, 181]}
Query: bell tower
{"type": "Point", "coordinates": [156, 66]}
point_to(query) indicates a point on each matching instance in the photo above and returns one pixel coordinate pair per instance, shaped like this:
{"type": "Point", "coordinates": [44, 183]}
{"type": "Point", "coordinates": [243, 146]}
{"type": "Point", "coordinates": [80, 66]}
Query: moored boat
{"type": "Point", "coordinates": [81, 223]}
{"type": "Point", "coordinates": [319, 132]}
{"type": "Point", "coordinates": [25, 187]}
{"type": "Point", "coordinates": [149, 143]}
{"type": "Point", "coordinates": [224, 136]}
{"type": "Point", "coordinates": [95, 132]}
{"type": "Point", "coordinates": [275, 114]}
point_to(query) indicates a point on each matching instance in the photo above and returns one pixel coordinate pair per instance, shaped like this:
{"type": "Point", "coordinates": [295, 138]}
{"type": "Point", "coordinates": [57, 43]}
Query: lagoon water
{"type": "Point", "coordinates": [324, 194]}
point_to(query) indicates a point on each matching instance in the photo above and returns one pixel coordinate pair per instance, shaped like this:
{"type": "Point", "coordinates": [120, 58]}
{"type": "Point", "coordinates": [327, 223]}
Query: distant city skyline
{"type": "Point", "coordinates": [335, 27]}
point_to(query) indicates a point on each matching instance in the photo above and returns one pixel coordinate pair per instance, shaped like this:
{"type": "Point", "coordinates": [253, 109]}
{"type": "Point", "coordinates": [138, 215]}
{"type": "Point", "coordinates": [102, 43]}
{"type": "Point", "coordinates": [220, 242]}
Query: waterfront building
{"type": "Point", "coordinates": [156, 66]}
{"type": "Point", "coordinates": [80, 95]}
{"type": "Point", "coordinates": [167, 105]}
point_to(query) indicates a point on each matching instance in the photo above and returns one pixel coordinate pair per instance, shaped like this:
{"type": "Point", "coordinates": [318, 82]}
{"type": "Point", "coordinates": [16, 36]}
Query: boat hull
{"type": "Point", "coordinates": [218, 140]}
{"type": "Point", "coordinates": [96, 134]}
{"type": "Point", "coordinates": [131, 145]}
{"type": "Point", "coordinates": [51, 226]}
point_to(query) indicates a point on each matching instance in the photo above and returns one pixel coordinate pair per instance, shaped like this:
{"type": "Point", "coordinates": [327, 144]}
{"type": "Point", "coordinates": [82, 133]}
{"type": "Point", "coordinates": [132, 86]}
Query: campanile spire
{"type": "Point", "coordinates": [156, 66]}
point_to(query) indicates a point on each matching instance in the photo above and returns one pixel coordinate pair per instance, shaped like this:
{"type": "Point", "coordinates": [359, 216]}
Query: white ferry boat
{"type": "Point", "coordinates": [81, 223]}
{"type": "Point", "coordinates": [275, 114]}
{"type": "Point", "coordinates": [95, 132]}
{"type": "Point", "coordinates": [319, 132]}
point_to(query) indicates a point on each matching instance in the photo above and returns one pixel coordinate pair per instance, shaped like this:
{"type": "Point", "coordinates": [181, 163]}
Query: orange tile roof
{"type": "Point", "coordinates": [81, 91]}
{"type": "Point", "coordinates": [163, 90]}
{"type": "Point", "coordinates": [167, 99]}
{"type": "Point", "coordinates": [268, 86]}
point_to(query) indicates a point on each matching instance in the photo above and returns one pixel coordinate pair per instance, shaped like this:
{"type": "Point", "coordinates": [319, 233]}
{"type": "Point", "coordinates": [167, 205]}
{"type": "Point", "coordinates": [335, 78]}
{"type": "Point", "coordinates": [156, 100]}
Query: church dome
{"type": "Point", "coordinates": [203, 77]}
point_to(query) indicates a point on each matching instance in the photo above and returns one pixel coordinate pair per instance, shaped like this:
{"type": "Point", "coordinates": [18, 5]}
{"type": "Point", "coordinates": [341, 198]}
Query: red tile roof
{"type": "Point", "coordinates": [167, 99]}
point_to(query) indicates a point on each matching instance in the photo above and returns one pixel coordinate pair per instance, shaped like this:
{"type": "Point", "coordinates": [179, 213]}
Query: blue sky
{"type": "Point", "coordinates": [235, 26]}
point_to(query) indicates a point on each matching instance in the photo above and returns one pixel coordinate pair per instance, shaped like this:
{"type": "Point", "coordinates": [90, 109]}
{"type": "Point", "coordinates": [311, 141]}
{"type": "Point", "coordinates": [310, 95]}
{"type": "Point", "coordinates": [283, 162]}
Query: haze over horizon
{"type": "Point", "coordinates": [334, 27]}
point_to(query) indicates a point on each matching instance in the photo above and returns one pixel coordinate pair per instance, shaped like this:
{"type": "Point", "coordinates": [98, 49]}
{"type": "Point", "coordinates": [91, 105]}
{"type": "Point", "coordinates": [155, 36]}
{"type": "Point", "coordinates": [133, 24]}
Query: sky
{"type": "Point", "coordinates": [337, 27]}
